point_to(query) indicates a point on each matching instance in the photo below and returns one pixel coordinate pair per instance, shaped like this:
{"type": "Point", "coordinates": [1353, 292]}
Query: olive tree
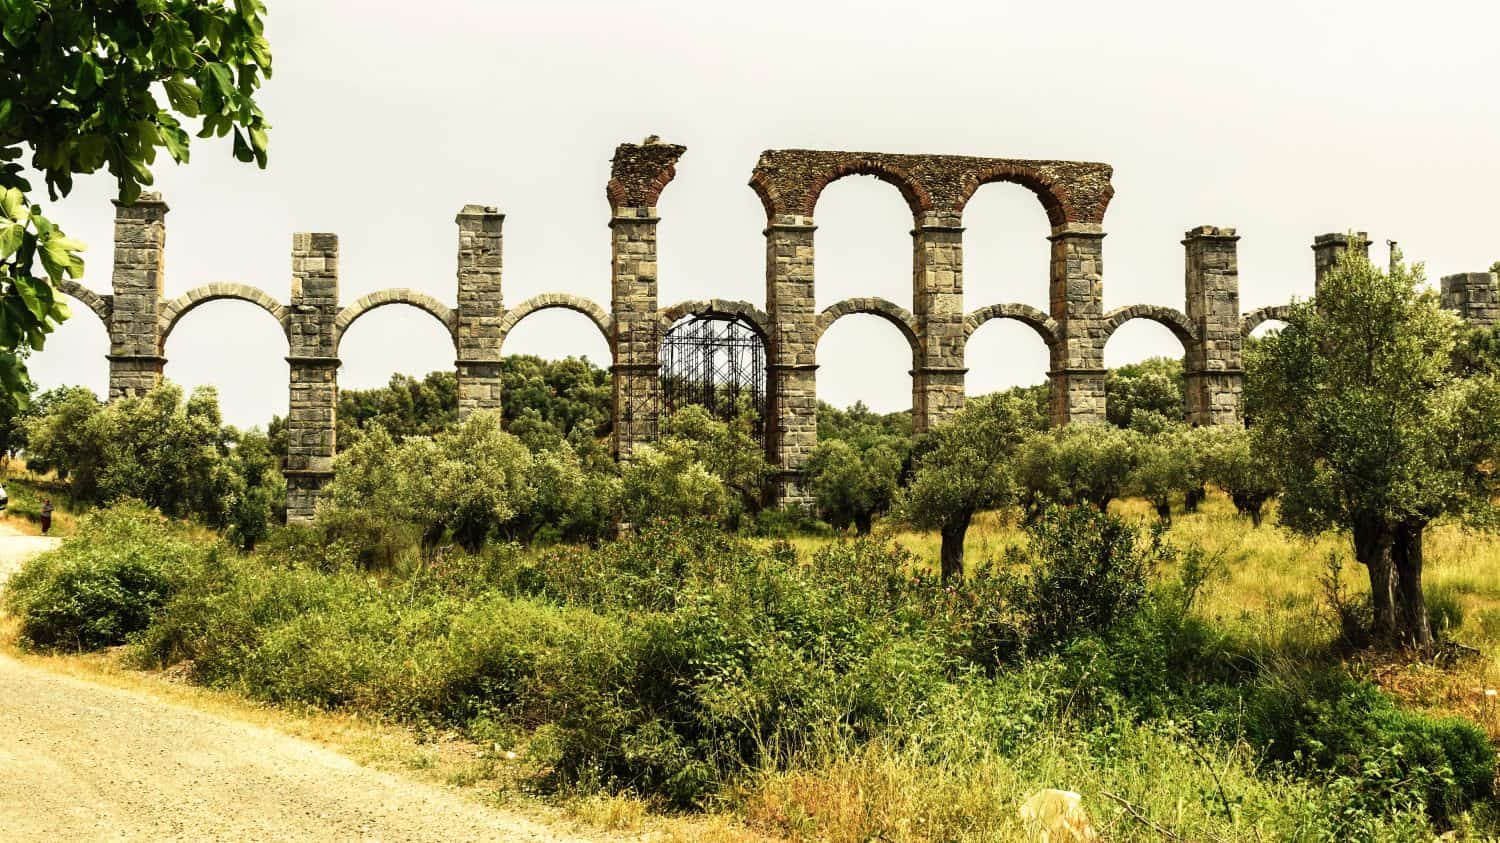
{"type": "Point", "coordinates": [1239, 470]}
{"type": "Point", "coordinates": [470, 481]}
{"type": "Point", "coordinates": [1367, 428]}
{"type": "Point", "coordinates": [669, 483]}
{"type": "Point", "coordinates": [171, 452]}
{"type": "Point", "coordinates": [78, 87]}
{"type": "Point", "coordinates": [576, 499]}
{"type": "Point", "coordinates": [1164, 466]}
{"type": "Point", "coordinates": [728, 450]}
{"type": "Point", "coordinates": [962, 467]}
{"type": "Point", "coordinates": [853, 484]}
{"type": "Point", "coordinates": [1078, 463]}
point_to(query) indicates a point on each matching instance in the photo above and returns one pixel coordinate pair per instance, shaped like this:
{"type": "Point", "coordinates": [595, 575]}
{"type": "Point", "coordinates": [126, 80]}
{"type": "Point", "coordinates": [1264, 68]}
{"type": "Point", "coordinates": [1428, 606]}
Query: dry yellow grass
{"type": "Point", "coordinates": [1269, 590]}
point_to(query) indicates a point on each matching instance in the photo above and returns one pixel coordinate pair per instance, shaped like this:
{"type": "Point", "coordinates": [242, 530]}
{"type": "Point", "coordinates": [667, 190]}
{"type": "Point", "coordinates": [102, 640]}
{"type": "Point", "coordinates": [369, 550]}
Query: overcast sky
{"type": "Point", "coordinates": [1283, 119]}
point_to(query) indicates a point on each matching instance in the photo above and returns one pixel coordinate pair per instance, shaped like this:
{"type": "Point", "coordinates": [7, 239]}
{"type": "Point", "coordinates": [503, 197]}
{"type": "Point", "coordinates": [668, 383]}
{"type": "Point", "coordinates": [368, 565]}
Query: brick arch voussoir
{"type": "Point", "coordinates": [1045, 326]}
{"type": "Point", "coordinates": [445, 315]}
{"type": "Point", "coordinates": [548, 301]}
{"type": "Point", "coordinates": [893, 313]}
{"type": "Point", "coordinates": [102, 306]}
{"type": "Point", "coordinates": [744, 310]}
{"type": "Point", "coordinates": [770, 197]}
{"type": "Point", "coordinates": [1054, 198]}
{"type": "Point", "coordinates": [1261, 315]}
{"type": "Point", "coordinates": [173, 311]}
{"type": "Point", "coordinates": [1170, 318]}
{"type": "Point", "coordinates": [917, 196]}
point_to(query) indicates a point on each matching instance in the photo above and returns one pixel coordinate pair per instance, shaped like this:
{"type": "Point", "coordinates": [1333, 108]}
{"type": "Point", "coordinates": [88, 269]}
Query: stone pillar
{"type": "Point", "coordinates": [792, 431]}
{"type": "Point", "coordinates": [638, 174]}
{"type": "Point", "coordinates": [481, 306]}
{"type": "Point", "coordinates": [1214, 377]}
{"type": "Point", "coordinates": [1475, 296]}
{"type": "Point", "coordinates": [1327, 248]}
{"type": "Point", "coordinates": [637, 367]}
{"type": "Point", "coordinates": [1077, 286]}
{"type": "Point", "coordinates": [311, 417]}
{"type": "Point", "coordinates": [135, 353]}
{"type": "Point", "coordinates": [938, 304]}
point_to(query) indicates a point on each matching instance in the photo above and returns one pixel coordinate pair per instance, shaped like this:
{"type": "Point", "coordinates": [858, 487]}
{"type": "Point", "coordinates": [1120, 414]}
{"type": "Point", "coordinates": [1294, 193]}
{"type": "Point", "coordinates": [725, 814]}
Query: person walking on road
{"type": "Point", "coordinates": [46, 515]}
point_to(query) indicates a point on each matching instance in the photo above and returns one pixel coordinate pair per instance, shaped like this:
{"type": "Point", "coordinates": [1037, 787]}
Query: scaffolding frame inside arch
{"type": "Point", "coordinates": [718, 363]}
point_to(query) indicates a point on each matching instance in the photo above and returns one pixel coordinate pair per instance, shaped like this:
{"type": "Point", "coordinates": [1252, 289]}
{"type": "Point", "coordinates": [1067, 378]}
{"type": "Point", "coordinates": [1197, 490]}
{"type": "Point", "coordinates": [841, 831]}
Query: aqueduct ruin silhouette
{"type": "Point", "coordinates": [789, 182]}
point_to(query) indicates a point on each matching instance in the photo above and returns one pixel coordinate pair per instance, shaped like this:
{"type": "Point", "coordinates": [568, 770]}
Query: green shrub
{"type": "Point", "coordinates": [105, 584]}
{"type": "Point", "coordinates": [1085, 571]}
{"type": "Point", "coordinates": [756, 671]}
{"type": "Point", "coordinates": [1331, 726]}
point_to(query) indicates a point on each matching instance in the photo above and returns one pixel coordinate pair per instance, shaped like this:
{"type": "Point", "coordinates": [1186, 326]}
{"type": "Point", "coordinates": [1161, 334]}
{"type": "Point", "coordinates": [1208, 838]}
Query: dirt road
{"type": "Point", "coordinates": [80, 762]}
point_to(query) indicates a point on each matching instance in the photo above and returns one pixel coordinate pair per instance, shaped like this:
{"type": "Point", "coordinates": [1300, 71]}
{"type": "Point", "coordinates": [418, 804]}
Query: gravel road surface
{"type": "Point", "coordinates": [82, 762]}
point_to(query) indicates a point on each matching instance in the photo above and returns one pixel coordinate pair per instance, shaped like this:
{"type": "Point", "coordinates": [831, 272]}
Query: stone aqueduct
{"type": "Point", "coordinates": [1075, 195]}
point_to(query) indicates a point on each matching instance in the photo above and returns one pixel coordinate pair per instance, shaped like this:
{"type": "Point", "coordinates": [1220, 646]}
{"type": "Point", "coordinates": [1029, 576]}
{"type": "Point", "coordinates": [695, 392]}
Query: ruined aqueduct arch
{"type": "Point", "coordinates": [788, 182]}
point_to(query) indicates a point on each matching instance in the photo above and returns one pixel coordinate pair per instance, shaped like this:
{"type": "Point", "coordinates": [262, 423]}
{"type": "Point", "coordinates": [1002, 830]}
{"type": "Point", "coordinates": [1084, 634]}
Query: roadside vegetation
{"type": "Point", "coordinates": [1173, 622]}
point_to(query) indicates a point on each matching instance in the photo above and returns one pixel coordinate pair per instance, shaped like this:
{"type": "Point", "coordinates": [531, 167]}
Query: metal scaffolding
{"type": "Point", "coordinates": [716, 362]}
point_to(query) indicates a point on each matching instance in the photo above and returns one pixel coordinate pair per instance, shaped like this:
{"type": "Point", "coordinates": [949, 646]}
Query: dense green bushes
{"type": "Point", "coordinates": [107, 583]}
{"type": "Point", "coordinates": [682, 660]}
{"type": "Point", "coordinates": [1386, 760]}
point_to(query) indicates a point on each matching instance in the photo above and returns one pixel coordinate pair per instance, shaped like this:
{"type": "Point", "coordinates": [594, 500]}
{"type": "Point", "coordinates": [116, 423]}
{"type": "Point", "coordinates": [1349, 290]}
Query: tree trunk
{"type": "Point", "coordinates": [1411, 605]}
{"type": "Point", "coordinates": [863, 523]}
{"type": "Point", "coordinates": [1255, 516]}
{"type": "Point", "coordinates": [1192, 498]}
{"type": "Point", "coordinates": [952, 553]}
{"type": "Point", "coordinates": [1372, 548]}
{"type": "Point", "coordinates": [1163, 511]}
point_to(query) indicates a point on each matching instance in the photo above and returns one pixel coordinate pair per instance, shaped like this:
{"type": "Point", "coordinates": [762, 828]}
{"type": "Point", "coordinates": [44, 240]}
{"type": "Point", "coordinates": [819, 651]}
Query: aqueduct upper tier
{"type": "Point", "coordinates": [936, 325]}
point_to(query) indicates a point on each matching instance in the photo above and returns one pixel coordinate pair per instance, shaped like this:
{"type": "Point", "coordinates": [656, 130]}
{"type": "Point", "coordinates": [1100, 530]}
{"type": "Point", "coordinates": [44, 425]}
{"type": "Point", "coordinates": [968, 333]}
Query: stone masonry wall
{"type": "Point", "coordinates": [1474, 296]}
{"type": "Point", "coordinates": [135, 360]}
{"type": "Point", "coordinates": [1074, 194]}
{"type": "Point", "coordinates": [792, 399]}
{"type": "Point", "coordinates": [313, 404]}
{"type": "Point", "coordinates": [1328, 247]}
{"type": "Point", "coordinates": [1077, 304]}
{"type": "Point", "coordinates": [938, 304]}
{"type": "Point", "coordinates": [1213, 368]}
{"type": "Point", "coordinates": [481, 307]}
{"type": "Point", "coordinates": [638, 174]}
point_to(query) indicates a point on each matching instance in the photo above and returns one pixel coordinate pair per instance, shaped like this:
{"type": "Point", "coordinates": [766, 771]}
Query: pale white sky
{"type": "Point", "coordinates": [1283, 119]}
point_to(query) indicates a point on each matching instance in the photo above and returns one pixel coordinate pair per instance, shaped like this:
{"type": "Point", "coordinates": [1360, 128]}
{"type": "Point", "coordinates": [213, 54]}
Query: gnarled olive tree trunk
{"type": "Point", "coordinates": [952, 552]}
{"type": "Point", "coordinates": [1372, 548]}
{"type": "Point", "coordinates": [1411, 606]}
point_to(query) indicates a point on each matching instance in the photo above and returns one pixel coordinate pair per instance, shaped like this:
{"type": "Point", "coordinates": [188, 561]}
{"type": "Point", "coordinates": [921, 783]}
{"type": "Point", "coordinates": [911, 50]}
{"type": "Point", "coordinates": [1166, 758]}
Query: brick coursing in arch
{"type": "Point", "coordinates": [749, 313]}
{"type": "Point", "coordinates": [1173, 320]}
{"type": "Point", "coordinates": [445, 315]}
{"type": "Point", "coordinates": [789, 181]}
{"type": "Point", "coordinates": [639, 173]}
{"type": "Point", "coordinates": [173, 311]}
{"type": "Point", "coordinates": [1261, 315]}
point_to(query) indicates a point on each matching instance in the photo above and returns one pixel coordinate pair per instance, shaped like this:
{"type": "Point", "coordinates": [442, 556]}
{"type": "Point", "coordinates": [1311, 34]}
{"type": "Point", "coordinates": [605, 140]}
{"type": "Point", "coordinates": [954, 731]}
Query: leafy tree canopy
{"type": "Point", "coordinates": [173, 454]}
{"type": "Point", "coordinates": [963, 467]}
{"type": "Point", "coordinates": [78, 83]}
{"type": "Point", "coordinates": [1153, 385]}
{"type": "Point", "coordinates": [854, 480]}
{"type": "Point", "coordinates": [544, 403]}
{"type": "Point", "coordinates": [1367, 427]}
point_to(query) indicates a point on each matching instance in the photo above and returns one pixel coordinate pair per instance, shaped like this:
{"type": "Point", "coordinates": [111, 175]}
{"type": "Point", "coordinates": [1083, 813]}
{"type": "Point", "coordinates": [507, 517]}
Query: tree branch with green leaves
{"type": "Point", "coordinates": [79, 88]}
